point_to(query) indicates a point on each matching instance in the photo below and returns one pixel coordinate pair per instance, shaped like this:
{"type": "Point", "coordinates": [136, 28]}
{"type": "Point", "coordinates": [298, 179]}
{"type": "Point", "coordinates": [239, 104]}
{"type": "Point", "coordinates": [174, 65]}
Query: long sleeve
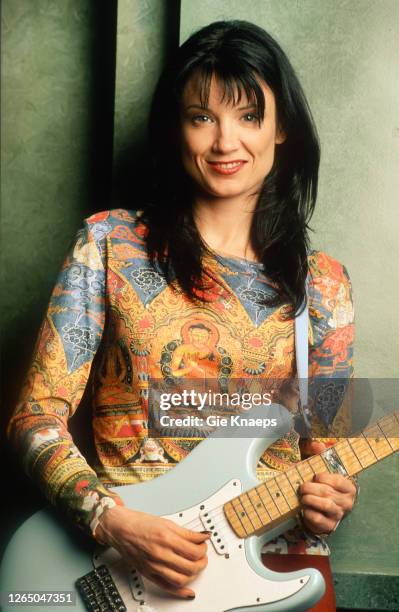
{"type": "Point", "coordinates": [68, 340]}
{"type": "Point", "coordinates": [331, 353]}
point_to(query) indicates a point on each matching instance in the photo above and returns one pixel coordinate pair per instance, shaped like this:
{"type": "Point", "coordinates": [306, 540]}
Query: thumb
{"type": "Point", "coordinates": [197, 537]}
{"type": "Point", "coordinates": [312, 447]}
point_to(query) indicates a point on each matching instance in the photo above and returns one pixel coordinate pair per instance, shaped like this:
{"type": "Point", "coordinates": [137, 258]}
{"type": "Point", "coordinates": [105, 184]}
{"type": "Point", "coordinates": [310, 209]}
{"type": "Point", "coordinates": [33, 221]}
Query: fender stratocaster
{"type": "Point", "coordinates": [214, 488]}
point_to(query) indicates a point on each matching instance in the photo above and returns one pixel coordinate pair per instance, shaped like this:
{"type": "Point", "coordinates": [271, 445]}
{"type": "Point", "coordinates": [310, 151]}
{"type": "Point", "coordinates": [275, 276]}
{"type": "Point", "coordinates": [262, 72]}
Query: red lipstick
{"type": "Point", "coordinates": [227, 168]}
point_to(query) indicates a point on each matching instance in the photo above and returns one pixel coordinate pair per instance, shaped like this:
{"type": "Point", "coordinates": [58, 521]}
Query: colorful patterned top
{"type": "Point", "coordinates": [112, 315]}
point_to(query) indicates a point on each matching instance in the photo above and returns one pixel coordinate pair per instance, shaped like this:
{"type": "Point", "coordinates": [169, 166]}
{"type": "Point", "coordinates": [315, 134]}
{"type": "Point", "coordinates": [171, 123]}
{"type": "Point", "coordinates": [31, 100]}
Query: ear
{"type": "Point", "coordinates": [280, 136]}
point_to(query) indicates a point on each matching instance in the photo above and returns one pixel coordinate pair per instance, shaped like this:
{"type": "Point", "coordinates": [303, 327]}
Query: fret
{"type": "Point", "coordinates": [317, 464]}
{"type": "Point", "coordinates": [362, 451]}
{"type": "Point", "coordinates": [242, 515]}
{"type": "Point", "coordinates": [277, 496]}
{"type": "Point", "coordinates": [305, 471]}
{"type": "Point", "coordinates": [273, 500]}
{"type": "Point", "coordinates": [349, 458]}
{"type": "Point", "coordinates": [368, 443]}
{"type": "Point", "coordinates": [294, 477]}
{"type": "Point", "coordinates": [233, 519]}
{"type": "Point", "coordinates": [377, 441]}
{"type": "Point", "coordinates": [287, 489]}
{"type": "Point", "coordinates": [260, 506]}
{"type": "Point", "coordinates": [268, 501]}
{"type": "Point", "coordinates": [250, 510]}
{"type": "Point", "coordinates": [389, 426]}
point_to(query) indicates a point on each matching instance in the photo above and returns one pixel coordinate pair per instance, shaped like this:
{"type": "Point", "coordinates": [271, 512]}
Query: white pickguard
{"type": "Point", "coordinates": [229, 582]}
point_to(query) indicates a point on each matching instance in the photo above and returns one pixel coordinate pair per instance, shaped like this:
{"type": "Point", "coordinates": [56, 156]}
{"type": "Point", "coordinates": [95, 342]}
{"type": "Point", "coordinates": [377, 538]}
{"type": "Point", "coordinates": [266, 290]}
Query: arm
{"type": "Point", "coordinates": [68, 340]}
{"type": "Point", "coordinates": [326, 500]}
{"type": "Point", "coordinates": [70, 335]}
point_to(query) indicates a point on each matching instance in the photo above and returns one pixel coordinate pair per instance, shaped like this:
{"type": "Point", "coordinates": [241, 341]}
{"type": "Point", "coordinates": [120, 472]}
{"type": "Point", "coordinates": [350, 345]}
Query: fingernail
{"type": "Point", "coordinates": [207, 532]}
{"type": "Point", "coordinates": [190, 597]}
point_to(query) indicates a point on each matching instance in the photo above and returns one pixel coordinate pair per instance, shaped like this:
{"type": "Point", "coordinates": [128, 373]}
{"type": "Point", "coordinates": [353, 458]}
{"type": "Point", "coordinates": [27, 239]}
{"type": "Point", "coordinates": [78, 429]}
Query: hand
{"type": "Point", "coordinates": [165, 553]}
{"type": "Point", "coordinates": [325, 501]}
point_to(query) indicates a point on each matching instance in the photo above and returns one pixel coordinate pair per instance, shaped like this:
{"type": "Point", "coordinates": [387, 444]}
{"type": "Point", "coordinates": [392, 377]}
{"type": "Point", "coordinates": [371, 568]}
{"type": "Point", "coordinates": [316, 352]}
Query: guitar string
{"type": "Point", "coordinates": [220, 521]}
{"type": "Point", "coordinates": [217, 512]}
{"type": "Point", "coordinates": [218, 517]}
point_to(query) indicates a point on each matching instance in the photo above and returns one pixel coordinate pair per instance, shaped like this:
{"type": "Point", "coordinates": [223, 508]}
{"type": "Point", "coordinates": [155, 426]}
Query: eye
{"type": "Point", "coordinates": [200, 119]}
{"type": "Point", "coordinates": [251, 117]}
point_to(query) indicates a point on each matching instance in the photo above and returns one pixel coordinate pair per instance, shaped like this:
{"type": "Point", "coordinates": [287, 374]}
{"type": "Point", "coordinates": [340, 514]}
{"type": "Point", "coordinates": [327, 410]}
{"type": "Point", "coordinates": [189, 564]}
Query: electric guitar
{"type": "Point", "coordinates": [214, 488]}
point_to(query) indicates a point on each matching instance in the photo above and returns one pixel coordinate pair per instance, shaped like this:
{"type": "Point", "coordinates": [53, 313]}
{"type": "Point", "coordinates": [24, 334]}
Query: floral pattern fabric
{"type": "Point", "coordinates": [114, 318]}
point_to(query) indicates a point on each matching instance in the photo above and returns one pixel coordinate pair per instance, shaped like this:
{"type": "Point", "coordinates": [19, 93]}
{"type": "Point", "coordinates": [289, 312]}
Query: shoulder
{"type": "Point", "coordinates": [107, 222]}
{"type": "Point", "coordinates": [327, 276]}
{"type": "Point", "coordinates": [329, 294]}
{"type": "Point", "coordinates": [119, 231]}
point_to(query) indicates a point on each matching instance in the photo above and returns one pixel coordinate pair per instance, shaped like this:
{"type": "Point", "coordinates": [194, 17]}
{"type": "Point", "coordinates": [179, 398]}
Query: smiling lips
{"type": "Point", "coordinates": [227, 167]}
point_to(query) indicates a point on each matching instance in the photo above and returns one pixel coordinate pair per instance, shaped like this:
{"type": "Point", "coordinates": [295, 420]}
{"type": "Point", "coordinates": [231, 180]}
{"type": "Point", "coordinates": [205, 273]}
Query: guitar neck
{"type": "Point", "coordinates": [276, 500]}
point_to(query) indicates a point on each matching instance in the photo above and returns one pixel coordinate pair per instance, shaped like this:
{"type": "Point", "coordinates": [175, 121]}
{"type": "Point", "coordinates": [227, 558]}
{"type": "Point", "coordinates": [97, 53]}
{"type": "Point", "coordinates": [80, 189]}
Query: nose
{"type": "Point", "coordinates": [226, 138]}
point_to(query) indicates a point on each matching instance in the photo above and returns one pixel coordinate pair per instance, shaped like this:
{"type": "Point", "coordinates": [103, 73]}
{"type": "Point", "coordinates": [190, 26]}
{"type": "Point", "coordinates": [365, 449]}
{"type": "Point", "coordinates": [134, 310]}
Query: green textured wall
{"type": "Point", "coordinates": [346, 53]}
{"type": "Point", "coordinates": [54, 156]}
{"type": "Point", "coordinates": [66, 66]}
{"type": "Point", "coordinates": [77, 76]}
{"type": "Point", "coordinates": [141, 46]}
{"type": "Point", "coordinates": [147, 32]}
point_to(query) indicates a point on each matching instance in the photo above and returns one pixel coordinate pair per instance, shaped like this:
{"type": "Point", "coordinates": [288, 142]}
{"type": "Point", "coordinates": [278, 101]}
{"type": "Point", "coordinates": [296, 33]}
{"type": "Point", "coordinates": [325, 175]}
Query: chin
{"type": "Point", "coordinates": [223, 192]}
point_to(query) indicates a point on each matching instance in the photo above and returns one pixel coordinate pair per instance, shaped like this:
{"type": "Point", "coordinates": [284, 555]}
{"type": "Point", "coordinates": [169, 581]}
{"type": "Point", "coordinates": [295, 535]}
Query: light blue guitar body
{"type": "Point", "coordinates": [44, 555]}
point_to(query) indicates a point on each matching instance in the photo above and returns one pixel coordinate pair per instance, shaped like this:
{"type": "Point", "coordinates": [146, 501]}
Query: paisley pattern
{"type": "Point", "coordinates": [110, 303]}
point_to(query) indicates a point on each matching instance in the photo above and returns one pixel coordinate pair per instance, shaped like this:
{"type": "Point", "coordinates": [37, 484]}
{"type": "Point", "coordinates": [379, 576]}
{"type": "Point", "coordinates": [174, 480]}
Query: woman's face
{"type": "Point", "coordinates": [224, 149]}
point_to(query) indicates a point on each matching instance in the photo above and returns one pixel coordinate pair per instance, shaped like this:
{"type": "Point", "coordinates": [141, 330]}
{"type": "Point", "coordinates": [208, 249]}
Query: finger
{"type": "Point", "coordinates": [174, 579]}
{"type": "Point", "coordinates": [311, 447]}
{"type": "Point", "coordinates": [196, 537]}
{"type": "Point", "coordinates": [314, 488]}
{"type": "Point", "coordinates": [317, 522]}
{"type": "Point", "coordinates": [180, 564]}
{"type": "Point", "coordinates": [188, 550]}
{"type": "Point", "coordinates": [343, 500]}
{"type": "Point", "coordinates": [337, 481]}
{"type": "Point", "coordinates": [190, 544]}
{"type": "Point", "coordinates": [325, 505]}
{"type": "Point", "coordinates": [183, 593]}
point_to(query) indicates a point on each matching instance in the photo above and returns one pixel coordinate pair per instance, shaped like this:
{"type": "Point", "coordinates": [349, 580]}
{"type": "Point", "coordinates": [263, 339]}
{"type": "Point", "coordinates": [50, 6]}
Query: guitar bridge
{"type": "Point", "coordinates": [99, 592]}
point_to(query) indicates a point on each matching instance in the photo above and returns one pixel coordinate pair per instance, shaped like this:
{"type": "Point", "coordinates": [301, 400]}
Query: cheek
{"type": "Point", "coordinates": [190, 144]}
{"type": "Point", "coordinates": [266, 149]}
{"type": "Point", "coordinates": [195, 142]}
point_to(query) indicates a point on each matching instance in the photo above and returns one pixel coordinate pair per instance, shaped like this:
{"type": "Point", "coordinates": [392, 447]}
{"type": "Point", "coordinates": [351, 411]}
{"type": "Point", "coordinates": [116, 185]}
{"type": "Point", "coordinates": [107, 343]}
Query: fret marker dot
{"type": "Point", "coordinates": [277, 494]}
{"type": "Point", "coordinates": [242, 513]}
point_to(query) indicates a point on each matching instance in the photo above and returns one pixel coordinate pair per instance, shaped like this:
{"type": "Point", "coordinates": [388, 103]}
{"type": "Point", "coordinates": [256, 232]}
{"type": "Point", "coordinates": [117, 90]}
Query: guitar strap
{"type": "Point", "coordinates": [303, 421]}
{"type": "Point", "coordinates": [277, 562]}
{"type": "Point", "coordinates": [302, 352]}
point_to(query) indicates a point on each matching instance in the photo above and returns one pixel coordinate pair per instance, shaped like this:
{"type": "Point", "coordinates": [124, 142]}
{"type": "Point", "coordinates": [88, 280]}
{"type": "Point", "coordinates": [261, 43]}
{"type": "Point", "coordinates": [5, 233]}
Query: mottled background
{"type": "Point", "coordinates": [77, 77]}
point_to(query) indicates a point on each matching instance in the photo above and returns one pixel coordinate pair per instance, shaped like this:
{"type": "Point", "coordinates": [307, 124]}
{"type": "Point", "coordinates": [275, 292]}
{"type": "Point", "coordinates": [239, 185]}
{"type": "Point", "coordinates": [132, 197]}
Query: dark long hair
{"type": "Point", "coordinates": [239, 53]}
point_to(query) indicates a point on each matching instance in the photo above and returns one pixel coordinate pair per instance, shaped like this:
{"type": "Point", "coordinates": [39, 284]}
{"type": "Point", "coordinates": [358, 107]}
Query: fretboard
{"type": "Point", "coordinates": [276, 500]}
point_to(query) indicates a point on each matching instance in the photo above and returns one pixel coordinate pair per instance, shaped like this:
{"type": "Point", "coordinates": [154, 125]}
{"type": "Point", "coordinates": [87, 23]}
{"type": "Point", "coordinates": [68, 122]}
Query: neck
{"type": "Point", "coordinates": [274, 501]}
{"type": "Point", "coordinates": [225, 225]}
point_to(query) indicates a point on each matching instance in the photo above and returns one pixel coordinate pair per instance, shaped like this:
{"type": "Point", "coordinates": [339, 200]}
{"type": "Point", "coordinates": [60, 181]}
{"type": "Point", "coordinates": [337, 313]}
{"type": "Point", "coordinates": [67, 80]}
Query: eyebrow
{"type": "Point", "coordinates": [249, 106]}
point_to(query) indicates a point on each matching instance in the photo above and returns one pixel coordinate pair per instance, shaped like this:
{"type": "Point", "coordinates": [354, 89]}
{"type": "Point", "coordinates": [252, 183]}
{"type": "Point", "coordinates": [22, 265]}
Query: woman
{"type": "Point", "coordinates": [204, 281]}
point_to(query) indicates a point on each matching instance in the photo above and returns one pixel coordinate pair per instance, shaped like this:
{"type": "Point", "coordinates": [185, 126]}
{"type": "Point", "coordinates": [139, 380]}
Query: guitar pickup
{"type": "Point", "coordinates": [213, 521]}
{"type": "Point", "coordinates": [136, 586]}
